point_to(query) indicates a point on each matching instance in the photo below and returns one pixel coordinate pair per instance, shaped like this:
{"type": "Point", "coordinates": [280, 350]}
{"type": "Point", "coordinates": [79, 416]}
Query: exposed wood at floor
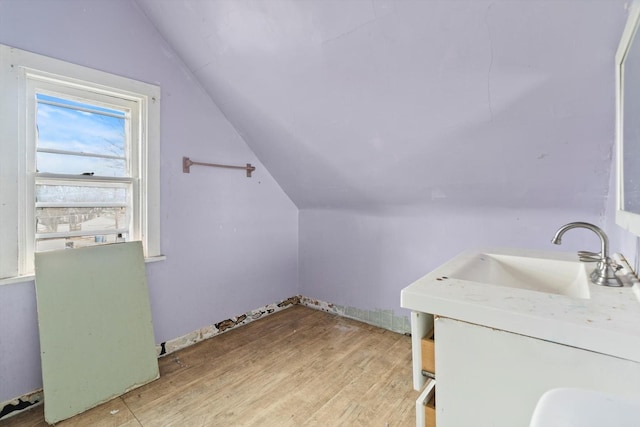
{"type": "Point", "coordinates": [296, 367]}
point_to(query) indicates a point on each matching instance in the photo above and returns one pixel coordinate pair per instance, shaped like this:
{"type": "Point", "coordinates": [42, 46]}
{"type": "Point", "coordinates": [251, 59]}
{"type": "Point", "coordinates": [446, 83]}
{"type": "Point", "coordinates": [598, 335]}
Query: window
{"type": "Point", "coordinates": [84, 175]}
{"type": "Point", "coordinates": [78, 160]}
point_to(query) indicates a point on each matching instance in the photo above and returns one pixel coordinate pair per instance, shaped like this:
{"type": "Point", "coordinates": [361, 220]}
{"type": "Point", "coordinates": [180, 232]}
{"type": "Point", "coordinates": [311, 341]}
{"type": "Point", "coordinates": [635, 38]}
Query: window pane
{"type": "Point", "coordinates": [91, 132]}
{"type": "Point", "coordinates": [78, 165]}
{"type": "Point", "coordinates": [86, 221]}
{"type": "Point", "coordinates": [76, 193]}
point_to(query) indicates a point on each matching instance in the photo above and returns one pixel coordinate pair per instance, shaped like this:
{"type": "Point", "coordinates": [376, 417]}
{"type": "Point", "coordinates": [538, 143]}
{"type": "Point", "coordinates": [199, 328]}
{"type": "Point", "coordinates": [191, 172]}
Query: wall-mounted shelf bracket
{"type": "Point", "coordinates": [187, 163]}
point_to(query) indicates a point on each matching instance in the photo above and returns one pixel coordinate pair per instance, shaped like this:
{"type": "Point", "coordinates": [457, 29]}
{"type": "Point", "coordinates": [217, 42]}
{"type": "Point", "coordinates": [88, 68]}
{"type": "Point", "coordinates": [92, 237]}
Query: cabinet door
{"type": "Point", "coordinates": [421, 326]}
{"type": "Point", "coordinates": [488, 377]}
{"type": "Point", "coordinates": [426, 405]}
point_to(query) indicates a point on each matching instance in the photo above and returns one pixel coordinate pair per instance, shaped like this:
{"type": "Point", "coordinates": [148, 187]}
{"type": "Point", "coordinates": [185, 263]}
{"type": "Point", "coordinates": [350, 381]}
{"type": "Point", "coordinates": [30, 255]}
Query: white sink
{"type": "Point", "coordinates": [534, 293]}
{"type": "Point", "coordinates": [542, 274]}
{"type": "Point", "coordinates": [572, 407]}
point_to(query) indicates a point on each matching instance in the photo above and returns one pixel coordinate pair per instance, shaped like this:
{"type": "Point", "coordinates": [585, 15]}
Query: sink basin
{"type": "Point", "coordinates": [549, 275]}
{"type": "Point", "coordinates": [569, 407]}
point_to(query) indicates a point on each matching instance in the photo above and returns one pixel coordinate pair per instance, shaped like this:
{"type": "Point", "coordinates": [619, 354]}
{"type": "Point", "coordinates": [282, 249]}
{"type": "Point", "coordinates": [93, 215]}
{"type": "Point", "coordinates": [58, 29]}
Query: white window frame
{"type": "Point", "coordinates": [21, 73]}
{"type": "Point", "coordinates": [39, 84]}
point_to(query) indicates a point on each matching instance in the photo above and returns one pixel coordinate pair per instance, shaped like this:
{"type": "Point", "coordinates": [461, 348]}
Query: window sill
{"type": "Point", "coordinates": [17, 279]}
{"type": "Point", "coordinates": [31, 277]}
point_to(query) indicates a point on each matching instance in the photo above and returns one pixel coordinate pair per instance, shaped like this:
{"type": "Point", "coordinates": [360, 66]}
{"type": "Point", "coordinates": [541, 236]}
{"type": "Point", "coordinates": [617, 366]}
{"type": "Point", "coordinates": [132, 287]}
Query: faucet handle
{"type": "Point", "coordinates": [586, 256]}
{"type": "Point", "coordinates": [613, 264]}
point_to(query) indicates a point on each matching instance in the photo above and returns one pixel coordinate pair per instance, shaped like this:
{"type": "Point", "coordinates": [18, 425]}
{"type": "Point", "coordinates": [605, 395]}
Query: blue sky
{"type": "Point", "coordinates": [79, 131]}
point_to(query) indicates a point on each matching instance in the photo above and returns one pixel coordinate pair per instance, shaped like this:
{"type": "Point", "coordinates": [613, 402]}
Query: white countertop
{"type": "Point", "coordinates": [607, 322]}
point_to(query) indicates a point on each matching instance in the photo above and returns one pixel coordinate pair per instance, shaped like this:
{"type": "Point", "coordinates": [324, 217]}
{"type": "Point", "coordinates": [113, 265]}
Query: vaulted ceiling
{"type": "Point", "coordinates": [389, 103]}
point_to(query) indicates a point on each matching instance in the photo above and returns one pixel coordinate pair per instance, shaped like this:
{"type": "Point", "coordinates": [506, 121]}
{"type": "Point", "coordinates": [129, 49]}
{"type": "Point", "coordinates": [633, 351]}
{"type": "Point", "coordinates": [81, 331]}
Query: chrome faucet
{"type": "Point", "coordinates": [605, 272]}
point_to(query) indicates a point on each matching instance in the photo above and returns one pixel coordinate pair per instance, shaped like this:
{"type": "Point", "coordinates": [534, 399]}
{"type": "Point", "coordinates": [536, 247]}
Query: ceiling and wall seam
{"type": "Point", "coordinates": [451, 98]}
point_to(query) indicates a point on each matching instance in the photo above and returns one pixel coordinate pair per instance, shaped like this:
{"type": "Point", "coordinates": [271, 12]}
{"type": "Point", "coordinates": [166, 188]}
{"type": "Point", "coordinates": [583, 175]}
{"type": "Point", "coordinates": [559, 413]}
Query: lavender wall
{"type": "Point", "coordinates": [364, 259]}
{"type": "Point", "coordinates": [408, 131]}
{"type": "Point", "coordinates": [230, 241]}
{"type": "Point", "coordinates": [361, 104]}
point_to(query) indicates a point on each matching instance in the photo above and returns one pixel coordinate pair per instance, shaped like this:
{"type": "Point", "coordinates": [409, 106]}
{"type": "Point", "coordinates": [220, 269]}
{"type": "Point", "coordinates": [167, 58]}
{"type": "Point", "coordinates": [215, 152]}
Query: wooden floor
{"type": "Point", "coordinates": [297, 367]}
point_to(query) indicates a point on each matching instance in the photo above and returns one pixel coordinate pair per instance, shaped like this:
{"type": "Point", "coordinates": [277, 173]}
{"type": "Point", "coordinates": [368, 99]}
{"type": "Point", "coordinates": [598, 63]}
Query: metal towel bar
{"type": "Point", "coordinates": [187, 163]}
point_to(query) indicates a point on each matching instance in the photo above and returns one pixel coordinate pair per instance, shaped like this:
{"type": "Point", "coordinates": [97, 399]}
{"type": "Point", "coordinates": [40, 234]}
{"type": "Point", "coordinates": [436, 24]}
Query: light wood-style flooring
{"type": "Point", "coordinates": [297, 367]}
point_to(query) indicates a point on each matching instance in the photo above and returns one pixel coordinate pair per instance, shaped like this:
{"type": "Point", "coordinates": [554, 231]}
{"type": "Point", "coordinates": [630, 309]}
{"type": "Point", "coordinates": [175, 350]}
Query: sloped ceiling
{"type": "Point", "coordinates": [377, 104]}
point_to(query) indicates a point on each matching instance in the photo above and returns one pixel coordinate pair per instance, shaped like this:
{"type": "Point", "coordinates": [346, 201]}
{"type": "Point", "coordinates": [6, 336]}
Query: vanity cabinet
{"type": "Point", "coordinates": [490, 377]}
{"type": "Point", "coordinates": [502, 341]}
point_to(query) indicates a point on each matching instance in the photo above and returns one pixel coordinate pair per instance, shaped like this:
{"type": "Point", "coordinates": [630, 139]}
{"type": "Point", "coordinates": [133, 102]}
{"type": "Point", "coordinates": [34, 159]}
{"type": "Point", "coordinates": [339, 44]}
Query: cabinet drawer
{"type": "Point", "coordinates": [426, 406]}
{"type": "Point", "coordinates": [428, 347]}
{"type": "Point", "coordinates": [430, 412]}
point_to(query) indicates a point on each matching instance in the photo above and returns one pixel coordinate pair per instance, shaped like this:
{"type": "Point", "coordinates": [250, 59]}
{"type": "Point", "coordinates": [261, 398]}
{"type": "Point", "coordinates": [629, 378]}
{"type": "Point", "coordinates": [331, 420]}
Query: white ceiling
{"type": "Point", "coordinates": [376, 104]}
